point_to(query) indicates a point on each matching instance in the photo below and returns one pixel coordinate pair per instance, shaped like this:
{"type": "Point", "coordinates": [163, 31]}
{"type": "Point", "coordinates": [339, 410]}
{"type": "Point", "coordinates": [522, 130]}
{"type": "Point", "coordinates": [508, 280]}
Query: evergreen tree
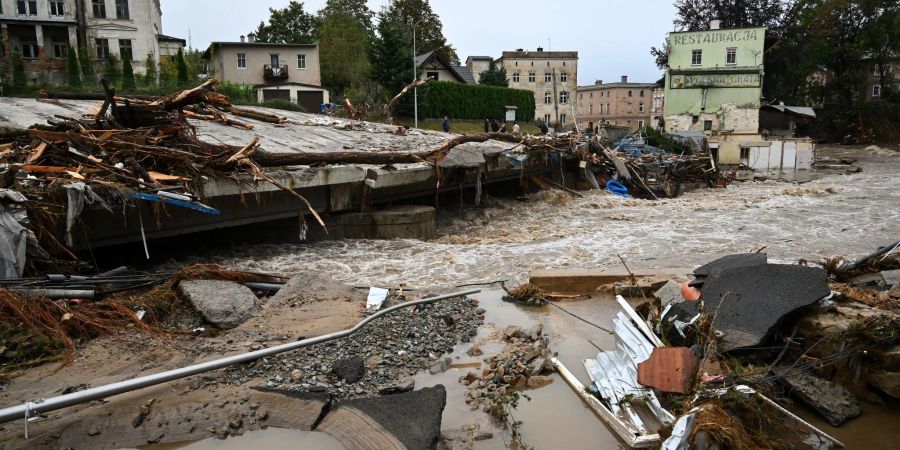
{"type": "Point", "coordinates": [127, 71]}
{"type": "Point", "coordinates": [152, 72]}
{"type": "Point", "coordinates": [88, 73]}
{"type": "Point", "coordinates": [391, 54]}
{"type": "Point", "coordinates": [429, 31]}
{"type": "Point", "coordinates": [289, 25]}
{"type": "Point", "coordinates": [494, 76]}
{"type": "Point", "coordinates": [73, 69]}
{"type": "Point", "coordinates": [342, 52]}
{"type": "Point", "coordinates": [358, 10]}
{"type": "Point", "coordinates": [111, 70]}
{"type": "Point", "coordinates": [182, 68]}
{"type": "Point", "coordinates": [19, 77]}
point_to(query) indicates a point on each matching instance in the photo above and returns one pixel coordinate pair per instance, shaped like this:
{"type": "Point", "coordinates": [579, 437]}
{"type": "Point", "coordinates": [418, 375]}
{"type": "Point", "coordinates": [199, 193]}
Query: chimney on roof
{"type": "Point", "coordinates": [624, 78]}
{"type": "Point", "coordinates": [598, 82]}
{"type": "Point", "coordinates": [520, 50]}
{"type": "Point", "coordinates": [540, 49]}
{"type": "Point", "coordinates": [715, 24]}
{"type": "Point", "coordinates": [243, 38]}
{"type": "Point", "coordinates": [251, 38]}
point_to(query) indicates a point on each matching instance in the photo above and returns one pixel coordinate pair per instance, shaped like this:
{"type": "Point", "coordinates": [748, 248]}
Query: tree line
{"type": "Point", "coordinates": [819, 52]}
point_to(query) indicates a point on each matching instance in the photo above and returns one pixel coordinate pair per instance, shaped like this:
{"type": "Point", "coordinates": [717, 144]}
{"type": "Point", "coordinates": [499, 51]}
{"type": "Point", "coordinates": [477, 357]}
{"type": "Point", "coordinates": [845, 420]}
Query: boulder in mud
{"type": "Point", "coordinates": [834, 403]}
{"type": "Point", "coordinates": [222, 303]}
{"type": "Point", "coordinates": [350, 369]}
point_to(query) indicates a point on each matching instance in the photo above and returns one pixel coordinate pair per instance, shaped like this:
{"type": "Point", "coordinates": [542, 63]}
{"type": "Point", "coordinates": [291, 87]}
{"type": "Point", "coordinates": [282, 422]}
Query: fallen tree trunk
{"type": "Point", "coordinates": [268, 159]}
{"type": "Point", "coordinates": [389, 107]}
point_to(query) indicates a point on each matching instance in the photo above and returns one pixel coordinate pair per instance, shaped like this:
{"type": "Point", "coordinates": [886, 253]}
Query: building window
{"type": "Point", "coordinates": [548, 77]}
{"type": "Point", "coordinates": [640, 124]}
{"type": "Point", "coordinates": [707, 125]}
{"type": "Point", "coordinates": [696, 57]}
{"type": "Point", "coordinates": [56, 8]}
{"type": "Point", "coordinates": [241, 60]}
{"type": "Point", "coordinates": [731, 56]}
{"type": "Point", "coordinates": [563, 119]}
{"type": "Point", "coordinates": [876, 90]}
{"type": "Point", "coordinates": [125, 48]}
{"type": "Point", "coordinates": [745, 154]}
{"type": "Point", "coordinates": [60, 50]}
{"type": "Point", "coordinates": [122, 10]}
{"type": "Point", "coordinates": [531, 77]}
{"type": "Point", "coordinates": [607, 108]}
{"type": "Point", "coordinates": [29, 50]}
{"type": "Point", "coordinates": [877, 70]}
{"type": "Point", "coordinates": [563, 97]}
{"type": "Point", "coordinates": [99, 8]}
{"type": "Point", "coordinates": [27, 8]}
{"type": "Point", "coordinates": [591, 95]}
{"type": "Point", "coordinates": [102, 49]}
{"type": "Point", "coordinates": [432, 76]}
{"type": "Point", "coordinates": [563, 77]}
{"type": "Point", "coordinates": [516, 77]}
{"type": "Point", "coordinates": [631, 93]}
{"type": "Point", "coordinates": [629, 108]}
{"type": "Point", "coordinates": [591, 108]}
{"type": "Point", "coordinates": [547, 118]}
{"type": "Point", "coordinates": [642, 93]}
{"type": "Point", "coordinates": [548, 98]}
{"type": "Point", "coordinates": [301, 62]}
{"type": "Point", "coordinates": [641, 107]}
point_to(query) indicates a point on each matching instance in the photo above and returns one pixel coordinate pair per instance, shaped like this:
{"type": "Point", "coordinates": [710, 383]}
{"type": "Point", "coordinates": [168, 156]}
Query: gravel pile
{"type": "Point", "coordinates": [380, 359]}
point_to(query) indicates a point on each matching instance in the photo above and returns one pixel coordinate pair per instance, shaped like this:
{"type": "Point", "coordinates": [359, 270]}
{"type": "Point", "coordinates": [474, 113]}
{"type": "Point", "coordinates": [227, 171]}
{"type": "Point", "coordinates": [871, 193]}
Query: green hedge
{"type": "Point", "coordinates": [467, 101]}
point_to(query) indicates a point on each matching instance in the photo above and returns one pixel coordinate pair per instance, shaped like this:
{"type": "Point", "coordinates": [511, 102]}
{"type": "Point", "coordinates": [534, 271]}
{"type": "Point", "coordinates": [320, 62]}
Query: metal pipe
{"type": "Point", "coordinates": [56, 294]}
{"type": "Point", "coordinates": [271, 287]}
{"type": "Point", "coordinates": [52, 404]}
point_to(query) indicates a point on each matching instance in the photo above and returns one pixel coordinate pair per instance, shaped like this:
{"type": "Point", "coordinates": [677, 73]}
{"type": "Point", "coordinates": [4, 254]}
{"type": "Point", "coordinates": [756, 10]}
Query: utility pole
{"type": "Point", "coordinates": [415, 77]}
{"type": "Point", "coordinates": [556, 99]}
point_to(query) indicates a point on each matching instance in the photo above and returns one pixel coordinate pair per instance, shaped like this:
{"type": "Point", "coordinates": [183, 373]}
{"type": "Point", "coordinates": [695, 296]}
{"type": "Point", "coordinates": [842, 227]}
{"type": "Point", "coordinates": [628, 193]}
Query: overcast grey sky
{"type": "Point", "coordinates": [613, 37]}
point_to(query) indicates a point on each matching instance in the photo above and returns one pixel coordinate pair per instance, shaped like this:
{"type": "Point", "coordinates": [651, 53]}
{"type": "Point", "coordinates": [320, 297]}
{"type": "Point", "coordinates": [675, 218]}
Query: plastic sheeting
{"type": "Point", "coordinates": [13, 238]}
{"type": "Point", "coordinates": [79, 194]}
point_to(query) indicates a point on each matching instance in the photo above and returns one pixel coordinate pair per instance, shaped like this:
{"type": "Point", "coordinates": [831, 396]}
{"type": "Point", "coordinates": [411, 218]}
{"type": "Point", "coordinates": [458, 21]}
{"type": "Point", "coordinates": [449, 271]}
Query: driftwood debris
{"type": "Point", "coordinates": [391, 105]}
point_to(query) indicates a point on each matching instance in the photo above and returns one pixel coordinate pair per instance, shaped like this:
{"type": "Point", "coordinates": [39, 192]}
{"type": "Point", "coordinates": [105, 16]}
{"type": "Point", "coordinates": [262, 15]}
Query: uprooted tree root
{"type": "Point", "coordinates": [838, 267]}
{"type": "Point", "coordinates": [875, 299]}
{"type": "Point", "coordinates": [722, 428]}
{"type": "Point", "coordinates": [38, 330]}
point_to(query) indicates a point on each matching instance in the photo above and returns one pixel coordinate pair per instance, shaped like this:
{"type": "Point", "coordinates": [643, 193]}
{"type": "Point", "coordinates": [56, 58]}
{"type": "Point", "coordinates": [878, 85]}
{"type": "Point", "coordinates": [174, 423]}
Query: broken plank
{"type": "Point", "coordinates": [56, 169]}
{"type": "Point", "coordinates": [37, 153]}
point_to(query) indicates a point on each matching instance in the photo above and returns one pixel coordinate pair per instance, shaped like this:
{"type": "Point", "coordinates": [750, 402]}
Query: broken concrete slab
{"type": "Point", "coordinates": [404, 421]}
{"type": "Point", "coordinates": [669, 294]}
{"type": "Point", "coordinates": [310, 286]}
{"type": "Point", "coordinates": [834, 403]}
{"type": "Point", "coordinates": [669, 369]}
{"type": "Point", "coordinates": [732, 262]}
{"type": "Point", "coordinates": [748, 302]}
{"type": "Point", "coordinates": [222, 303]}
{"type": "Point", "coordinates": [887, 382]}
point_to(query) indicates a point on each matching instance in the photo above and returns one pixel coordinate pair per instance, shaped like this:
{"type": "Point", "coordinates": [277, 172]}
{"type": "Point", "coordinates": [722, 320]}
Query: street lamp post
{"type": "Point", "coordinates": [415, 78]}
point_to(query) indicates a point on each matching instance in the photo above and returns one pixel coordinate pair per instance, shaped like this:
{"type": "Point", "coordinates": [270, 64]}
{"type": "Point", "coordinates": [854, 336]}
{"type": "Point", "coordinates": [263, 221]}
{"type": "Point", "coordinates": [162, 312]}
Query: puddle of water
{"type": "Point", "coordinates": [270, 439]}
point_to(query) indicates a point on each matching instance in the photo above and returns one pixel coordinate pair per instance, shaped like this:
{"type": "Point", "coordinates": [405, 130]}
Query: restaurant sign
{"type": "Point", "coordinates": [719, 80]}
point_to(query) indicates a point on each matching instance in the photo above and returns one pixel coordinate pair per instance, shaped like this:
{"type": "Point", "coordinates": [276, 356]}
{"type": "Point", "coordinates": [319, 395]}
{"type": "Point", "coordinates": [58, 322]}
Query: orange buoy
{"type": "Point", "coordinates": [689, 292]}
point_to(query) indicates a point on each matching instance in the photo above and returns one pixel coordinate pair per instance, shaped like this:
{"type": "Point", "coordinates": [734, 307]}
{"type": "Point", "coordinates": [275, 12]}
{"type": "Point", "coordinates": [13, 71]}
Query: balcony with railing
{"type": "Point", "coordinates": [275, 73]}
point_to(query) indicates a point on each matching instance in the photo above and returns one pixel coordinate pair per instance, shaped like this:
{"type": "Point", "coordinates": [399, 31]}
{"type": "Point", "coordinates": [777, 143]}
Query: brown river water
{"type": "Point", "coordinates": [834, 214]}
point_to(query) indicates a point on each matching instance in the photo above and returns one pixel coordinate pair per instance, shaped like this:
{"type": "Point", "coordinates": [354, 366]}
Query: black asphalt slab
{"type": "Point", "coordinates": [748, 302]}
{"type": "Point", "coordinates": [732, 262]}
{"type": "Point", "coordinates": [414, 418]}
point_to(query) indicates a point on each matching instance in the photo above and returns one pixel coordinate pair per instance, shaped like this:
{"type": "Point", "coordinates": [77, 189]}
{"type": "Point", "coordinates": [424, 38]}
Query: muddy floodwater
{"type": "Point", "coordinates": [835, 214]}
{"type": "Point", "coordinates": [832, 215]}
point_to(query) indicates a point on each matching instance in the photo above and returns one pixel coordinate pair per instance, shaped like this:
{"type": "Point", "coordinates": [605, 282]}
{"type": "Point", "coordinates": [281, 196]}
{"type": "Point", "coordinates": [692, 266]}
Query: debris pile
{"type": "Point", "coordinates": [821, 336]}
{"type": "Point", "coordinates": [523, 364]}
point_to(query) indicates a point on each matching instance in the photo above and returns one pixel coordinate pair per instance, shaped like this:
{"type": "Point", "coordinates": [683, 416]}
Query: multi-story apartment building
{"type": "Point", "coordinates": [477, 65]}
{"type": "Point", "coordinates": [658, 107]}
{"type": "Point", "coordinates": [621, 104]}
{"type": "Point", "coordinates": [278, 71]}
{"type": "Point", "coordinates": [44, 30]}
{"type": "Point", "coordinates": [876, 88]}
{"type": "Point", "coordinates": [552, 76]}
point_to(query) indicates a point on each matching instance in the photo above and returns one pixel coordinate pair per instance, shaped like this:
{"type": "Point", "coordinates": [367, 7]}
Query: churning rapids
{"type": "Point", "coordinates": [835, 214]}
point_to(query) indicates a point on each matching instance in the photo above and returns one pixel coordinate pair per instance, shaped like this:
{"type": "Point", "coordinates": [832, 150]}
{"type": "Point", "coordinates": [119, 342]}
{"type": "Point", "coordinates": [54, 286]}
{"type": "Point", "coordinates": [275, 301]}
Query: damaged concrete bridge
{"type": "Point", "coordinates": [348, 195]}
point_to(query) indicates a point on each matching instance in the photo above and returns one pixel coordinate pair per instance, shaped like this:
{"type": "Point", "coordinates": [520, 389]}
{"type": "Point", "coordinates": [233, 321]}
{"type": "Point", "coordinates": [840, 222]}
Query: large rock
{"type": "Point", "coordinates": [887, 382]}
{"type": "Point", "coordinates": [222, 303]}
{"type": "Point", "coordinates": [404, 421]}
{"type": "Point", "coordinates": [350, 369]}
{"type": "Point", "coordinates": [748, 302]}
{"type": "Point", "coordinates": [836, 404]}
